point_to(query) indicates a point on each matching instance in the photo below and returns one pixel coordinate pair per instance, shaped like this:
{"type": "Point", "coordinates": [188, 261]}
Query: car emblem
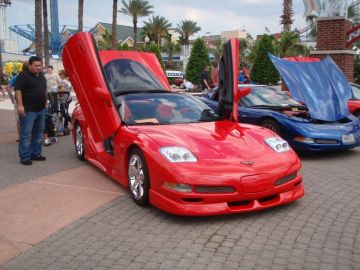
{"type": "Point", "coordinates": [247, 162]}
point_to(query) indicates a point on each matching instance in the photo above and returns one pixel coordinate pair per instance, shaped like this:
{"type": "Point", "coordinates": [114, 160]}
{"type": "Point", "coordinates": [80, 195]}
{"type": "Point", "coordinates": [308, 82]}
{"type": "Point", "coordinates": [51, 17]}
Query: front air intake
{"type": "Point", "coordinates": [214, 189]}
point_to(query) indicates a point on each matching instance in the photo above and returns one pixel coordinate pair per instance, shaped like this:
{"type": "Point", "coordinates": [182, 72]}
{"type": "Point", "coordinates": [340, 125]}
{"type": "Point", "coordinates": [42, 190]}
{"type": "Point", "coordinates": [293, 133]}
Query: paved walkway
{"type": "Point", "coordinates": [64, 214]}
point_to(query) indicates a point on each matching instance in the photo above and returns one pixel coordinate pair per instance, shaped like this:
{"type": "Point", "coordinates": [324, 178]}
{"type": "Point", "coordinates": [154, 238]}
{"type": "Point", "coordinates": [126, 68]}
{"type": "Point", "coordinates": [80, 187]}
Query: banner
{"type": "Point", "coordinates": [312, 7]}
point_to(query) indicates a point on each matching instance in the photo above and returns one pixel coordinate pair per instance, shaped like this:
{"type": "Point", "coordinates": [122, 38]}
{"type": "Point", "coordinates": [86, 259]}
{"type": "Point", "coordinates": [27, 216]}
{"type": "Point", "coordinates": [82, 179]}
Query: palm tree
{"type": "Point", "coordinates": [113, 26]}
{"type": "Point", "coordinates": [136, 9]}
{"type": "Point", "coordinates": [243, 45]}
{"type": "Point", "coordinates": [289, 45]}
{"type": "Point", "coordinates": [171, 48]}
{"type": "Point", "coordinates": [46, 34]}
{"type": "Point", "coordinates": [38, 29]}
{"type": "Point", "coordinates": [1, 68]}
{"type": "Point", "coordinates": [80, 16]}
{"type": "Point", "coordinates": [287, 16]}
{"type": "Point", "coordinates": [187, 28]}
{"type": "Point", "coordinates": [217, 49]}
{"type": "Point", "coordinates": [156, 28]}
{"type": "Point", "coordinates": [106, 42]}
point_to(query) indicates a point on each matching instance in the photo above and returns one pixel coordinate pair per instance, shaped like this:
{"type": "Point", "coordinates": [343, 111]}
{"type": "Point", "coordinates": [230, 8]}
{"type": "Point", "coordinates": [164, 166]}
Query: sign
{"type": "Point", "coordinates": [174, 74]}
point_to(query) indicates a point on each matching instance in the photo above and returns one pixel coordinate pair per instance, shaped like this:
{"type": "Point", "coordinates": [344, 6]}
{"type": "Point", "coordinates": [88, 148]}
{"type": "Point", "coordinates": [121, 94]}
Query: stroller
{"type": "Point", "coordinates": [57, 112]}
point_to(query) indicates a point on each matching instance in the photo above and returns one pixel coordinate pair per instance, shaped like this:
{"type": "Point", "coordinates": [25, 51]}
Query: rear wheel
{"type": "Point", "coordinates": [138, 177]}
{"type": "Point", "coordinates": [79, 142]}
{"type": "Point", "coordinates": [271, 125]}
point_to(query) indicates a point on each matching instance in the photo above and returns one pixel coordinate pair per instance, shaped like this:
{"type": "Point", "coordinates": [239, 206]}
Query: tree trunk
{"type": "Point", "coordinates": [113, 27]}
{"type": "Point", "coordinates": [80, 16]}
{"type": "Point", "coordinates": [46, 34]}
{"type": "Point", "coordinates": [38, 29]}
{"type": "Point", "coordinates": [135, 34]}
{"type": "Point", "coordinates": [1, 63]}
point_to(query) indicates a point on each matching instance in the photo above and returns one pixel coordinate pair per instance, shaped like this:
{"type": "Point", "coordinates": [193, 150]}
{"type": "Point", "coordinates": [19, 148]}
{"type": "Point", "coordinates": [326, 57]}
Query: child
{"type": "Point", "coordinates": [65, 99]}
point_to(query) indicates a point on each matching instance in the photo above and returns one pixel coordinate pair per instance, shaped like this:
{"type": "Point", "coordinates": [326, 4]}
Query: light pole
{"type": "Point", "coordinates": [3, 28]}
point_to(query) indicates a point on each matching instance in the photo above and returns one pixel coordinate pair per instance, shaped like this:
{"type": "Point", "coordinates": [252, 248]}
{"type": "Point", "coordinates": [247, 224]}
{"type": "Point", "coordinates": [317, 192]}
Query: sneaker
{"type": "Point", "coordinates": [47, 142]}
{"type": "Point", "coordinates": [39, 158]}
{"type": "Point", "coordinates": [26, 162]}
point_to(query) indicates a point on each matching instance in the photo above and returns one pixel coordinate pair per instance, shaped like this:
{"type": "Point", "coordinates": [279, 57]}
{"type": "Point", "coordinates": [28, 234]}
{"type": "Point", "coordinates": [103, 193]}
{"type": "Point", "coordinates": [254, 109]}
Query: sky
{"type": "Point", "coordinates": [213, 16]}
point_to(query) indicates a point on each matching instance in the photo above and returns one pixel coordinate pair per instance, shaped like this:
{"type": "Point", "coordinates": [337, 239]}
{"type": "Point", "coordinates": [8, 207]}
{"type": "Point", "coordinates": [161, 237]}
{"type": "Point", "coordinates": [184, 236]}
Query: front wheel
{"type": "Point", "coordinates": [138, 177]}
{"type": "Point", "coordinates": [79, 142]}
{"type": "Point", "coordinates": [271, 125]}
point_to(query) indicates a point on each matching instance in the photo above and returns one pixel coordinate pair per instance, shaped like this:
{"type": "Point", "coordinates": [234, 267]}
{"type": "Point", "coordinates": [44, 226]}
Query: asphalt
{"type": "Point", "coordinates": [65, 214]}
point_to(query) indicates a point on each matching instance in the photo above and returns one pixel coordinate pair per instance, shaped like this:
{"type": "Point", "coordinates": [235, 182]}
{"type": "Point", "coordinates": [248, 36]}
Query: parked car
{"type": "Point", "coordinates": [170, 149]}
{"type": "Point", "coordinates": [354, 101]}
{"type": "Point", "coordinates": [275, 110]}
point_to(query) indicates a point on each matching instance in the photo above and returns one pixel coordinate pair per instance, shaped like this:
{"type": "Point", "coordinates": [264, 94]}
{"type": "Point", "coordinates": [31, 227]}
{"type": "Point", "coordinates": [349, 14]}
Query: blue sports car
{"type": "Point", "coordinates": [311, 127]}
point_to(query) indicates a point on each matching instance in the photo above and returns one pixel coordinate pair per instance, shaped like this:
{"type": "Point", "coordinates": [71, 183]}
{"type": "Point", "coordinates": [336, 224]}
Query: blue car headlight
{"type": "Point", "coordinates": [277, 144]}
{"type": "Point", "coordinates": [178, 154]}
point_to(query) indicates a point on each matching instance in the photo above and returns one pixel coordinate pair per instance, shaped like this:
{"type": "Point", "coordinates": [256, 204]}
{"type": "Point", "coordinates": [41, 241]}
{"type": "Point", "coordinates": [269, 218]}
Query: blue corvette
{"type": "Point", "coordinates": [295, 122]}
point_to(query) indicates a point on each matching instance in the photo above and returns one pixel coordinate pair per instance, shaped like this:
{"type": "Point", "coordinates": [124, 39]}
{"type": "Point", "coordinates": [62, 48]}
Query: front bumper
{"type": "Point", "coordinates": [195, 204]}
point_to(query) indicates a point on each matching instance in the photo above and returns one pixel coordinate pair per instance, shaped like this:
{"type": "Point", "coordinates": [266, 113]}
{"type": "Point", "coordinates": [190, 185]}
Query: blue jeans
{"type": "Point", "coordinates": [32, 126]}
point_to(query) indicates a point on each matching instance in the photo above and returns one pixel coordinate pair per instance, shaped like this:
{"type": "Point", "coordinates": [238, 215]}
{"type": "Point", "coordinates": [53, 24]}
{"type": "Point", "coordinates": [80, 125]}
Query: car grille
{"type": "Point", "coordinates": [326, 141]}
{"type": "Point", "coordinates": [214, 189]}
{"type": "Point", "coordinates": [285, 179]}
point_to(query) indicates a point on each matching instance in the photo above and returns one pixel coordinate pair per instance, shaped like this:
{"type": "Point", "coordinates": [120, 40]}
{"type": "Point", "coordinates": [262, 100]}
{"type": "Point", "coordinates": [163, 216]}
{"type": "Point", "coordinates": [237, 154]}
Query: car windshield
{"type": "Point", "coordinates": [124, 75]}
{"type": "Point", "coordinates": [268, 96]}
{"type": "Point", "coordinates": [356, 91]}
{"type": "Point", "coordinates": [162, 109]}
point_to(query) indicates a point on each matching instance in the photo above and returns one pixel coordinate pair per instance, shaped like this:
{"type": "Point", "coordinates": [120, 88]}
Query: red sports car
{"type": "Point", "coordinates": [354, 101]}
{"type": "Point", "coordinates": [170, 149]}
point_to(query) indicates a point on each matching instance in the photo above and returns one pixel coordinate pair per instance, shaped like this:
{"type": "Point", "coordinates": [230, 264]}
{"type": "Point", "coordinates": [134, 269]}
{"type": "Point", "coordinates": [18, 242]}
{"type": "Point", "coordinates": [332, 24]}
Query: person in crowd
{"type": "Point", "coordinates": [205, 79]}
{"type": "Point", "coordinates": [242, 78]}
{"type": "Point", "coordinates": [30, 92]}
{"type": "Point", "coordinates": [52, 80]}
{"type": "Point", "coordinates": [64, 93]}
{"type": "Point", "coordinates": [3, 83]}
{"type": "Point", "coordinates": [10, 90]}
{"type": "Point", "coordinates": [215, 75]}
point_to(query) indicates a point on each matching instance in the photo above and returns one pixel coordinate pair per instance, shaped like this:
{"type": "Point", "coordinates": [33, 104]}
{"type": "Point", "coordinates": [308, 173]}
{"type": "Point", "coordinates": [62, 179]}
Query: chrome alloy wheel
{"type": "Point", "coordinates": [136, 177]}
{"type": "Point", "coordinates": [79, 142]}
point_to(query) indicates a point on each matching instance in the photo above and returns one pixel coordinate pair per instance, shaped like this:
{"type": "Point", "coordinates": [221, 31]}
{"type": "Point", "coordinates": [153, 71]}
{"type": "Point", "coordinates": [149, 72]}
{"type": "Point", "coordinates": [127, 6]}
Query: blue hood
{"type": "Point", "coordinates": [321, 85]}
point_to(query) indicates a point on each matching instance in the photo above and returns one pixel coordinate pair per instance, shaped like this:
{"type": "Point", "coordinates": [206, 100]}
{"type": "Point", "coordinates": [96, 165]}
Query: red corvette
{"type": "Point", "coordinates": [170, 149]}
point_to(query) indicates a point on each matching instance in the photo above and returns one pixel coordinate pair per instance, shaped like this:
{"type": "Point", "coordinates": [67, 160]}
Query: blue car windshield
{"type": "Point", "coordinates": [356, 91]}
{"type": "Point", "coordinates": [163, 108]}
{"type": "Point", "coordinates": [268, 96]}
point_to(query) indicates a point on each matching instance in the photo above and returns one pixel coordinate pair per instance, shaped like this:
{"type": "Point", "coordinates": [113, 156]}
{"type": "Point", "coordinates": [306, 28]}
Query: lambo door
{"type": "Point", "coordinates": [228, 81]}
{"type": "Point", "coordinates": [82, 63]}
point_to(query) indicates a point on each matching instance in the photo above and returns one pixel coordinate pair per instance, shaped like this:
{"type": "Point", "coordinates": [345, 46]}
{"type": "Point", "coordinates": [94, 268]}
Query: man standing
{"type": "Point", "coordinates": [30, 92]}
{"type": "Point", "coordinates": [204, 80]}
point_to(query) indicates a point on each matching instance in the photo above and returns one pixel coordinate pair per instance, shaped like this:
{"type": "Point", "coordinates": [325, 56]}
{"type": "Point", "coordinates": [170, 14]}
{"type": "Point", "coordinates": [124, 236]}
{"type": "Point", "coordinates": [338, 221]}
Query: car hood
{"type": "Point", "coordinates": [321, 85]}
{"type": "Point", "coordinates": [212, 140]}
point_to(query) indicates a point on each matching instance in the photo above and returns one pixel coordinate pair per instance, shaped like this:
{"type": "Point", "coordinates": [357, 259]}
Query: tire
{"type": "Point", "coordinates": [138, 177]}
{"type": "Point", "coordinates": [271, 125]}
{"type": "Point", "coordinates": [79, 142]}
{"type": "Point", "coordinates": [357, 114]}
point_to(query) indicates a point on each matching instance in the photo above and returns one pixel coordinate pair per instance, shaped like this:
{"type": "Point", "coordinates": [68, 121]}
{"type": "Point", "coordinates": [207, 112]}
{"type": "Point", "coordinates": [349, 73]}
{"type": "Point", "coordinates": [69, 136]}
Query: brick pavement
{"type": "Point", "coordinates": [321, 231]}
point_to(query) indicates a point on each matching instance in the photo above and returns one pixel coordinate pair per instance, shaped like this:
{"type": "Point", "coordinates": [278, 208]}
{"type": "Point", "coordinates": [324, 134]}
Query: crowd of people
{"type": "Point", "coordinates": [37, 95]}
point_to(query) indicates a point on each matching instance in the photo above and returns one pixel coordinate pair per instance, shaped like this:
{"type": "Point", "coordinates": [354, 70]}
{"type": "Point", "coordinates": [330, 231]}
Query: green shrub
{"type": "Point", "coordinates": [263, 70]}
{"type": "Point", "coordinates": [199, 58]}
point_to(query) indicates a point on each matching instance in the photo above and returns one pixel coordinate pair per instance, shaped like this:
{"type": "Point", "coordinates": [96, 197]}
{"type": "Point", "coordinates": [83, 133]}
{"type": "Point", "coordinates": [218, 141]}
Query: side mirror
{"type": "Point", "coordinates": [242, 92]}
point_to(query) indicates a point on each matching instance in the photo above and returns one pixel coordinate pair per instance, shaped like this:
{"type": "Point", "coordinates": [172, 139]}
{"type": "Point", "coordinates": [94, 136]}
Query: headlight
{"type": "Point", "coordinates": [304, 139]}
{"type": "Point", "coordinates": [278, 144]}
{"type": "Point", "coordinates": [185, 188]}
{"type": "Point", "coordinates": [177, 154]}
